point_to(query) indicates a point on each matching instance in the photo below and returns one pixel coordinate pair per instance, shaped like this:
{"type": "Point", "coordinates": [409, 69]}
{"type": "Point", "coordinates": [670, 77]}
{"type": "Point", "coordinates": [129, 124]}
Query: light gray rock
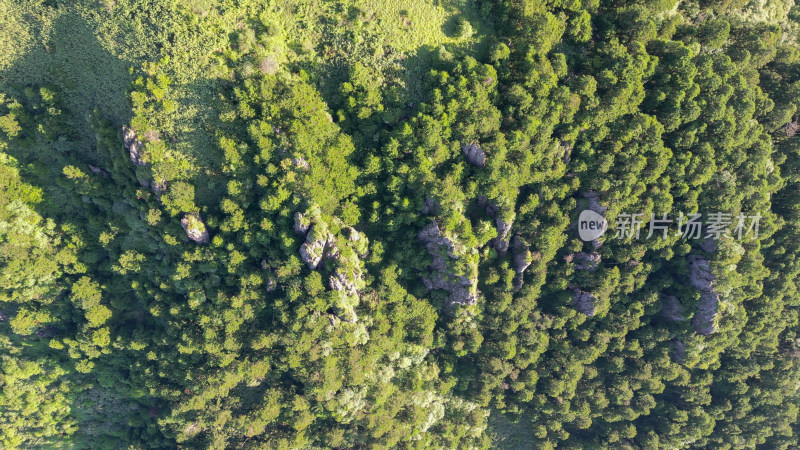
{"type": "Point", "coordinates": [301, 223]}
{"type": "Point", "coordinates": [522, 255]}
{"type": "Point", "coordinates": [194, 227]}
{"type": "Point", "coordinates": [583, 302]}
{"type": "Point", "coordinates": [314, 248]}
{"type": "Point", "coordinates": [475, 155]}
{"type": "Point", "coordinates": [462, 290]}
{"type": "Point", "coordinates": [301, 163]}
{"type": "Point", "coordinates": [133, 145]}
{"type": "Point", "coordinates": [3, 316]}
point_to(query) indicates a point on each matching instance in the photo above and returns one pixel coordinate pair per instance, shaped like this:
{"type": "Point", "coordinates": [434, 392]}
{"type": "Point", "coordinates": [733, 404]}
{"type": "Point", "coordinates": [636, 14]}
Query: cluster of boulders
{"type": "Point", "coordinates": [450, 270]}
{"type": "Point", "coordinates": [320, 245]}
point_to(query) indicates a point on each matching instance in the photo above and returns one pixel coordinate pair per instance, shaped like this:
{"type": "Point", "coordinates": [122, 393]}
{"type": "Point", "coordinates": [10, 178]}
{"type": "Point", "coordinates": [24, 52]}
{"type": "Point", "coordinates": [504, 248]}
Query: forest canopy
{"type": "Point", "coordinates": [380, 224]}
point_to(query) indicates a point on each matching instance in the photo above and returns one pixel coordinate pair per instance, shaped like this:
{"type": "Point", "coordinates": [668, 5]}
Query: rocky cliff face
{"type": "Point", "coordinates": [701, 278]}
{"type": "Point", "coordinates": [450, 271]}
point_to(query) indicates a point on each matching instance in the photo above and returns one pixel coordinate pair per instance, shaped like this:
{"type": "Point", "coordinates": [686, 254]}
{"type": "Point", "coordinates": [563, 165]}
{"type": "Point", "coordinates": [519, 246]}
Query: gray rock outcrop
{"type": "Point", "coordinates": [318, 242]}
{"type": "Point", "coordinates": [133, 145]}
{"type": "Point", "coordinates": [449, 272]}
{"type": "Point", "coordinates": [194, 227]}
{"type": "Point", "coordinates": [586, 261]}
{"type": "Point", "coordinates": [475, 155]}
{"type": "Point", "coordinates": [301, 223]}
{"type": "Point", "coordinates": [701, 278]}
{"type": "Point", "coordinates": [583, 301]}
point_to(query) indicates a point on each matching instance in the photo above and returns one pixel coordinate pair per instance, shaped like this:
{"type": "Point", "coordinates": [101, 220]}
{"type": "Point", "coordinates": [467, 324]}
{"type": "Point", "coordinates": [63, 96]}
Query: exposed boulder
{"type": "Point", "coordinates": [586, 261]}
{"type": "Point", "coordinates": [522, 259]}
{"type": "Point", "coordinates": [791, 128]}
{"type": "Point", "coordinates": [502, 224]}
{"type": "Point", "coordinates": [449, 271]}
{"type": "Point", "coordinates": [503, 229]}
{"type": "Point", "coordinates": [701, 278]}
{"type": "Point", "coordinates": [301, 163]}
{"type": "Point", "coordinates": [301, 223]}
{"type": "Point", "coordinates": [3, 316]}
{"type": "Point", "coordinates": [522, 255]}
{"type": "Point", "coordinates": [475, 155]}
{"type": "Point", "coordinates": [158, 187]}
{"type": "Point", "coordinates": [314, 248]}
{"type": "Point", "coordinates": [133, 145]}
{"type": "Point", "coordinates": [672, 309]}
{"type": "Point", "coordinates": [194, 227]}
{"type": "Point", "coordinates": [583, 302]}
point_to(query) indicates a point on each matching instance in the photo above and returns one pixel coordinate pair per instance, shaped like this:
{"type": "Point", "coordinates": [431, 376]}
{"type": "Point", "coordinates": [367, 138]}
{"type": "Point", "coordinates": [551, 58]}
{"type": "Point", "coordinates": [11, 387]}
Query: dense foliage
{"type": "Point", "coordinates": [344, 224]}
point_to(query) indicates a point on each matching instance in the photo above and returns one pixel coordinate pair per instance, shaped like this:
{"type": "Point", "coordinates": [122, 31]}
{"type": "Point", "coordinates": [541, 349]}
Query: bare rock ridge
{"type": "Point", "coordinates": [475, 155]}
{"type": "Point", "coordinates": [449, 272]}
{"type": "Point", "coordinates": [194, 227]}
{"type": "Point", "coordinates": [701, 278]}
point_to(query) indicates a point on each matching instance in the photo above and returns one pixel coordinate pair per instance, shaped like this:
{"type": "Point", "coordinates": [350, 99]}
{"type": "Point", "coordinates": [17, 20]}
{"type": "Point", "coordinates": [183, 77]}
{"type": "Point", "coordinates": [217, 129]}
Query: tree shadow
{"type": "Point", "coordinates": [69, 57]}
